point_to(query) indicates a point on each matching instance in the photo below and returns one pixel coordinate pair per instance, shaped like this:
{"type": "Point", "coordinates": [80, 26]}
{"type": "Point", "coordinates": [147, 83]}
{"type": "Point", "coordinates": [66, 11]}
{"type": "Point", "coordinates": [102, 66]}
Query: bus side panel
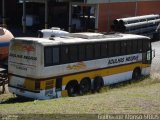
{"type": "Point", "coordinates": [70, 68]}
{"type": "Point", "coordinates": [146, 68]}
{"type": "Point", "coordinates": [116, 78]}
{"type": "Point", "coordinates": [111, 75]}
{"type": "Point", "coordinates": [29, 94]}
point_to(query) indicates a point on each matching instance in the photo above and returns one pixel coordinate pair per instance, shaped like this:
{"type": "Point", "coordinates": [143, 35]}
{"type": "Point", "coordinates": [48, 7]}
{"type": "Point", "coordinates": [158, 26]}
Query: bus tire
{"type": "Point", "coordinates": [72, 88]}
{"type": "Point", "coordinates": [136, 74]}
{"type": "Point", "coordinates": [85, 86]}
{"type": "Point", "coordinates": [98, 83]}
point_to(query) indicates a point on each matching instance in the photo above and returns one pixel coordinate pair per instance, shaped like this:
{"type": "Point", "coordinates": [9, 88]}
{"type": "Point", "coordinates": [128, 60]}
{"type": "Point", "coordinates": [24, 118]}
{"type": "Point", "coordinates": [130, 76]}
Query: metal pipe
{"type": "Point", "coordinates": [141, 24]}
{"type": "Point", "coordinates": [137, 19]}
{"type": "Point", "coordinates": [136, 26]}
{"type": "Point", "coordinates": [70, 16]}
{"type": "Point", "coordinates": [24, 16]}
{"type": "Point", "coordinates": [97, 17]}
{"type": "Point", "coordinates": [3, 14]}
{"type": "Point", "coordinates": [46, 14]}
{"type": "Point", "coordinates": [140, 17]}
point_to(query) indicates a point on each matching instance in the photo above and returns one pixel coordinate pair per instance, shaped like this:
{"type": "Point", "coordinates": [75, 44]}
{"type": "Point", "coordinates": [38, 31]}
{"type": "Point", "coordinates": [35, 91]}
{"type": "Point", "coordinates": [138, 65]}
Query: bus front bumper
{"type": "Point", "coordinates": [28, 93]}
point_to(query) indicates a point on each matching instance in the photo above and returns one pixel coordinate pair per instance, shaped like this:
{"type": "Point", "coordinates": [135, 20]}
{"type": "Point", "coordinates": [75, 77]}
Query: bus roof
{"type": "Point", "coordinates": [87, 37]}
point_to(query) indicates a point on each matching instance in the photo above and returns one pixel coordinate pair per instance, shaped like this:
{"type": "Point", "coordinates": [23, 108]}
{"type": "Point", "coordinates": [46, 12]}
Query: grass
{"type": "Point", "coordinates": [127, 98]}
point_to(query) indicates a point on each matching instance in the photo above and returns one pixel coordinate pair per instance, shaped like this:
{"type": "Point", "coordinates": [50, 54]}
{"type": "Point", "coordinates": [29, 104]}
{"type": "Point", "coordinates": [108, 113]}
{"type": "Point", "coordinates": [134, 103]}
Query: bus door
{"type": "Point", "coordinates": [58, 87]}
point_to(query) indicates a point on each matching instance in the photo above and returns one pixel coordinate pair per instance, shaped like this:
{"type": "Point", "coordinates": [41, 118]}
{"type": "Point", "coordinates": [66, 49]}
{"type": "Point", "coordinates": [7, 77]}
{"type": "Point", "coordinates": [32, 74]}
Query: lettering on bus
{"type": "Point", "coordinates": [132, 58]}
{"type": "Point", "coordinates": [22, 47]}
{"type": "Point", "coordinates": [21, 68]}
{"type": "Point", "coordinates": [116, 60]}
{"type": "Point", "coordinates": [78, 66]}
{"type": "Point", "coordinates": [123, 59]}
{"type": "Point", "coordinates": [23, 56]}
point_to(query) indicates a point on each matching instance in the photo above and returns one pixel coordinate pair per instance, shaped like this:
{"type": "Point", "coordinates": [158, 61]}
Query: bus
{"type": "Point", "coordinates": [42, 68]}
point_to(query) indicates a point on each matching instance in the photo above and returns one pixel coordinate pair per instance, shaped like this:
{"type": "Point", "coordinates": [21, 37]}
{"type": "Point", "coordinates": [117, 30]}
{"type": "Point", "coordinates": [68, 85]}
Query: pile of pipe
{"type": "Point", "coordinates": [143, 25]}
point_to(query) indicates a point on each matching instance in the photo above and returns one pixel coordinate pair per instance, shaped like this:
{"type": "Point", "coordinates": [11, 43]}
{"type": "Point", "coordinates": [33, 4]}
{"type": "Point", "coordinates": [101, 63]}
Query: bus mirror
{"type": "Point", "coordinates": [153, 54]}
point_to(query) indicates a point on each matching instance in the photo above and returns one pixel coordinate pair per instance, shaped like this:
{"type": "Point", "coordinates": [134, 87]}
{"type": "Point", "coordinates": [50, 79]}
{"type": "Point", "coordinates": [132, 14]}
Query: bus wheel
{"type": "Point", "coordinates": [98, 83]}
{"type": "Point", "coordinates": [72, 88]}
{"type": "Point", "coordinates": [136, 74]}
{"type": "Point", "coordinates": [85, 85]}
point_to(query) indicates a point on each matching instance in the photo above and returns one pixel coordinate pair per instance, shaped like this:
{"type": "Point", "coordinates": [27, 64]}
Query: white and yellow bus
{"type": "Point", "coordinates": [66, 66]}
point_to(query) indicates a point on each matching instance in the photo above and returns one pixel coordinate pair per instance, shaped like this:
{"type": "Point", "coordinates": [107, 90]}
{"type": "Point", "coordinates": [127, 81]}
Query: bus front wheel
{"type": "Point", "coordinates": [98, 83]}
{"type": "Point", "coordinates": [136, 74]}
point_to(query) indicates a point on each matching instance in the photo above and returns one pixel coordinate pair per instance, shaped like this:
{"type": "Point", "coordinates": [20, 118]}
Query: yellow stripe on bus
{"type": "Point", "coordinates": [30, 84]}
{"type": "Point", "coordinates": [103, 72]}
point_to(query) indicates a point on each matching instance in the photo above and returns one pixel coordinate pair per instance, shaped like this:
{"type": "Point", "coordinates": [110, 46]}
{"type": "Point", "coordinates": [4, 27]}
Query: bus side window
{"type": "Point", "coordinates": [48, 56]}
{"type": "Point", "coordinates": [146, 45]}
{"type": "Point", "coordinates": [123, 47]}
{"type": "Point", "coordinates": [117, 48]}
{"type": "Point", "coordinates": [64, 54]}
{"type": "Point", "coordinates": [55, 55]}
{"type": "Point", "coordinates": [129, 47]}
{"type": "Point", "coordinates": [73, 53]}
{"type": "Point", "coordinates": [81, 52]}
{"type": "Point", "coordinates": [134, 46]}
{"type": "Point", "coordinates": [104, 51]}
{"type": "Point", "coordinates": [139, 45]}
{"type": "Point", "coordinates": [97, 50]}
{"type": "Point", "coordinates": [89, 52]}
{"type": "Point", "coordinates": [111, 49]}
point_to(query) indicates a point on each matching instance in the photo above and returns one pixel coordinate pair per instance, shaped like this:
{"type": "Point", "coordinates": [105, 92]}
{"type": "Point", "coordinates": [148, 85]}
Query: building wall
{"type": "Point", "coordinates": [11, 11]}
{"type": "Point", "coordinates": [102, 20]}
{"type": "Point", "coordinates": [111, 1]}
{"type": "Point", "coordinates": [110, 11]}
{"type": "Point", "coordinates": [148, 7]}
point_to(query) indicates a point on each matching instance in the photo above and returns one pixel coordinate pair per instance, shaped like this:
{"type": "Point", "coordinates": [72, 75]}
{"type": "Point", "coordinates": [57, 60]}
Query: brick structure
{"type": "Point", "coordinates": [106, 11]}
{"type": "Point", "coordinates": [110, 11]}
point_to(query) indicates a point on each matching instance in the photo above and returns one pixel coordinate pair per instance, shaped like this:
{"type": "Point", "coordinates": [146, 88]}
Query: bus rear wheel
{"type": "Point", "coordinates": [85, 86]}
{"type": "Point", "coordinates": [98, 83]}
{"type": "Point", "coordinates": [72, 88]}
{"type": "Point", "coordinates": [136, 74]}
